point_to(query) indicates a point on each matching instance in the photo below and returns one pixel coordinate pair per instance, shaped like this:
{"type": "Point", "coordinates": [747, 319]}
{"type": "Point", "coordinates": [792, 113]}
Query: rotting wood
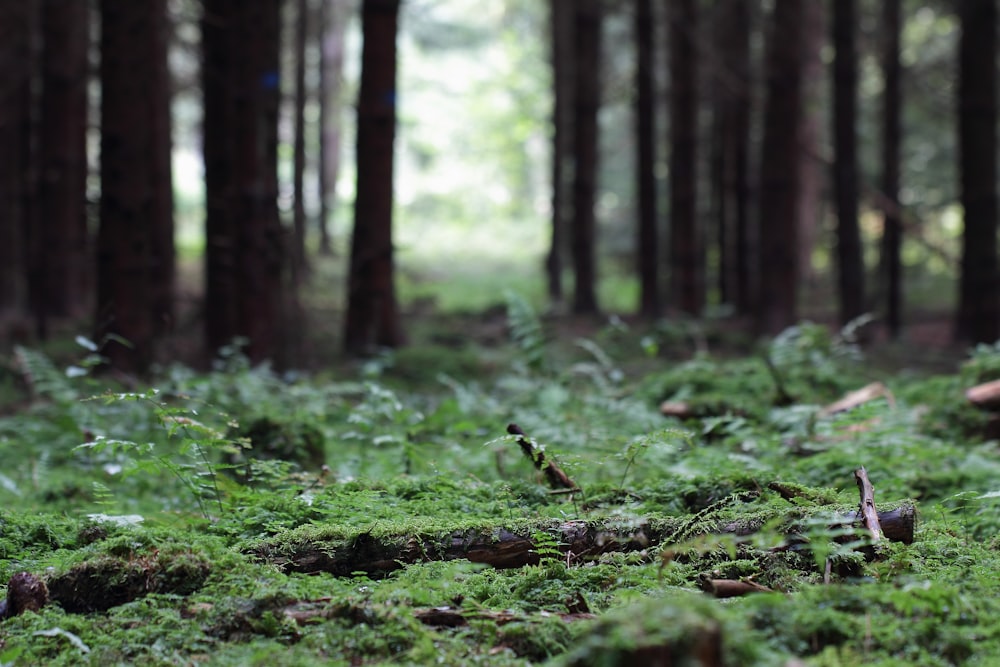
{"type": "Point", "coordinates": [985, 396]}
{"type": "Point", "coordinates": [553, 473]}
{"type": "Point", "coordinates": [308, 611]}
{"type": "Point", "coordinates": [858, 397]}
{"type": "Point", "coordinates": [869, 515]}
{"type": "Point", "coordinates": [25, 592]}
{"type": "Point", "coordinates": [510, 548]}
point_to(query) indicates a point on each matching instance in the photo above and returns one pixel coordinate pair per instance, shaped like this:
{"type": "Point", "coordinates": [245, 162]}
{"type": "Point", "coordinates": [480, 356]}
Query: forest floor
{"type": "Point", "coordinates": [511, 490]}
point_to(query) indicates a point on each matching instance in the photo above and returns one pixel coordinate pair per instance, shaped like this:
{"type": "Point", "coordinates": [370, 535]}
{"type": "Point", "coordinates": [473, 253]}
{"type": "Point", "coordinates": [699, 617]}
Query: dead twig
{"type": "Point", "coordinates": [869, 515]}
{"type": "Point", "coordinates": [553, 473]}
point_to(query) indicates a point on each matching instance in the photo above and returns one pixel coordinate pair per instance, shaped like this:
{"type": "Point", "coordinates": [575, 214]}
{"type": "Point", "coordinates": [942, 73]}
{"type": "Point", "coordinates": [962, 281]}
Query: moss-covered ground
{"type": "Point", "coordinates": [384, 516]}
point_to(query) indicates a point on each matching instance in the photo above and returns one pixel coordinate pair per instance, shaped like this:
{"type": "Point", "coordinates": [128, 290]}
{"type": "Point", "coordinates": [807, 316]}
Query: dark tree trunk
{"type": "Point", "coordinates": [561, 37]}
{"type": "Point", "coordinates": [298, 262]}
{"type": "Point", "coordinates": [732, 101]}
{"type": "Point", "coordinates": [850, 264]}
{"type": "Point", "coordinates": [16, 62]}
{"type": "Point", "coordinates": [332, 23]}
{"type": "Point", "coordinates": [244, 239]}
{"type": "Point", "coordinates": [686, 260]}
{"type": "Point", "coordinates": [979, 293]}
{"type": "Point", "coordinates": [812, 173]}
{"type": "Point", "coordinates": [647, 237]}
{"type": "Point", "coordinates": [776, 308]}
{"type": "Point", "coordinates": [586, 103]}
{"type": "Point", "coordinates": [372, 311]}
{"type": "Point", "coordinates": [892, 239]}
{"type": "Point", "coordinates": [136, 203]}
{"type": "Point", "coordinates": [62, 136]}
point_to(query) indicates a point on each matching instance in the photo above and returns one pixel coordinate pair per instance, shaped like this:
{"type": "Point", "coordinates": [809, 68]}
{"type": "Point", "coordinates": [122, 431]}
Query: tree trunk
{"type": "Point", "coordinates": [298, 262]}
{"type": "Point", "coordinates": [647, 237]}
{"type": "Point", "coordinates": [686, 261]}
{"type": "Point", "coordinates": [333, 24]}
{"type": "Point", "coordinates": [244, 239]}
{"type": "Point", "coordinates": [979, 292]}
{"type": "Point", "coordinates": [586, 104]}
{"type": "Point", "coordinates": [892, 235]}
{"type": "Point", "coordinates": [850, 262]}
{"type": "Point", "coordinates": [16, 61]}
{"type": "Point", "coordinates": [372, 311]}
{"type": "Point", "coordinates": [812, 171]}
{"type": "Point", "coordinates": [731, 141]}
{"type": "Point", "coordinates": [776, 308]}
{"type": "Point", "coordinates": [62, 140]}
{"type": "Point", "coordinates": [561, 36]}
{"type": "Point", "coordinates": [136, 204]}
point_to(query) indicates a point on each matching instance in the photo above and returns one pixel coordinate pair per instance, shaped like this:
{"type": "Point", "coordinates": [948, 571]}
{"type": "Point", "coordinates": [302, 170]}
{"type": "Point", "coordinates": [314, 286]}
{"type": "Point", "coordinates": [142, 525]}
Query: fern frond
{"type": "Point", "coordinates": [44, 379]}
{"type": "Point", "coordinates": [526, 331]}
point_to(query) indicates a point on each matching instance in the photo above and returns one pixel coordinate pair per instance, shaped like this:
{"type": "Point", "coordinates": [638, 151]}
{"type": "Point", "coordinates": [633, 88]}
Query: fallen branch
{"type": "Point", "coordinates": [503, 547]}
{"type": "Point", "coordinates": [308, 611]}
{"type": "Point", "coordinates": [731, 588]}
{"type": "Point", "coordinates": [869, 515]}
{"type": "Point", "coordinates": [859, 397]}
{"type": "Point", "coordinates": [557, 478]}
{"type": "Point", "coordinates": [985, 396]}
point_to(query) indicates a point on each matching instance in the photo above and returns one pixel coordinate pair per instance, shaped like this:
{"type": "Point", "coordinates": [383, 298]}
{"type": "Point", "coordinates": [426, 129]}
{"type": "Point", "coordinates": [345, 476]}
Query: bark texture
{"type": "Point", "coordinates": [134, 257]}
{"type": "Point", "coordinates": [779, 174]}
{"type": "Point", "coordinates": [372, 311]}
{"type": "Point", "coordinates": [978, 318]}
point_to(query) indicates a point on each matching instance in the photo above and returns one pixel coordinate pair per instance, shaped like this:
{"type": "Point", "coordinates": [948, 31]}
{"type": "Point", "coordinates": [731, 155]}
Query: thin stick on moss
{"type": "Point", "coordinates": [556, 477]}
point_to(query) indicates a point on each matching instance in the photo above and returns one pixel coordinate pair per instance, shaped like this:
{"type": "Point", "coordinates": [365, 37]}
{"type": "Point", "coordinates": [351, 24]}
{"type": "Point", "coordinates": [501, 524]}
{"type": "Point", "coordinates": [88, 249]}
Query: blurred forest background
{"type": "Point", "coordinates": [314, 177]}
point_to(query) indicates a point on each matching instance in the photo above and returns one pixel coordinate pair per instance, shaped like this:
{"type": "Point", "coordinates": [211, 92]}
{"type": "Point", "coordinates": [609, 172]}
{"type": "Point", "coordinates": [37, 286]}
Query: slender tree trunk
{"type": "Point", "coordinates": [561, 36]}
{"type": "Point", "coordinates": [333, 23]}
{"type": "Point", "coordinates": [850, 263]}
{"type": "Point", "coordinates": [586, 103]}
{"type": "Point", "coordinates": [647, 237]}
{"type": "Point", "coordinates": [892, 269]}
{"type": "Point", "coordinates": [135, 188]}
{"type": "Point", "coordinates": [299, 266]}
{"type": "Point", "coordinates": [244, 294]}
{"type": "Point", "coordinates": [979, 292]}
{"type": "Point", "coordinates": [776, 308]}
{"type": "Point", "coordinates": [731, 140]}
{"type": "Point", "coordinates": [63, 157]}
{"type": "Point", "coordinates": [372, 311]}
{"type": "Point", "coordinates": [16, 27]}
{"type": "Point", "coordinates": [812, 172]}
{"type": "Point", "coordinates": [219, 62]}
{"type": "Point", "coordinates": [686, 258]}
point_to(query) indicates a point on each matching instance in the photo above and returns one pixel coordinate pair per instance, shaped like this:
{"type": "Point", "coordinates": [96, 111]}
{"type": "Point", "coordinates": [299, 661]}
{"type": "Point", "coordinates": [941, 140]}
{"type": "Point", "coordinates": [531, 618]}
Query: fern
{"type": "Point", "coordinates": [526, 331]}
{"type": "Point", "coordinates": [43, 377]}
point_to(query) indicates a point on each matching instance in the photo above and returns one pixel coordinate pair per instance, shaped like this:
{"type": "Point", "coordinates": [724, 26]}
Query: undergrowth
{"type": "Point", "coordinates": [247, 517]}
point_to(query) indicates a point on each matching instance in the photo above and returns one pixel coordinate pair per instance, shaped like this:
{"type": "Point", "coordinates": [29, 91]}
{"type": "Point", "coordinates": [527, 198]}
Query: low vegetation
{"type": "Point", "coordinates": [391, 516]}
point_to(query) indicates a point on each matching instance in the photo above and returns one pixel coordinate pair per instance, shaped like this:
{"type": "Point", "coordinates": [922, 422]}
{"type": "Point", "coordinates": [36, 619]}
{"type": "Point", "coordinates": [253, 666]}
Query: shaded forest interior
{"type": "Point", "coordinates": [314, 178]}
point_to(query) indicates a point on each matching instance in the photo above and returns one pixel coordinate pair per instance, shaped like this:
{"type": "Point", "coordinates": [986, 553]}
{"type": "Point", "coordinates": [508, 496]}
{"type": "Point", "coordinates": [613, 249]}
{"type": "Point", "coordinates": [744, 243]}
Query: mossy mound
{"type": "Point", "coordinates": [102, 583]}
{"type": "Point", "coordinates": [274, 439]}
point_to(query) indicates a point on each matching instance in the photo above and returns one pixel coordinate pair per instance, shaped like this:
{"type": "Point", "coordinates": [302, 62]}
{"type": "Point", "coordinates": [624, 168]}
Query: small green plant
{"type": "Point", "coordinates": [636, 447]}
{"type": "Point", "coordinates": [526, 331]}
{"type": "Point", "coordinates": [547, 547]}
{"type": "Point", "coordinates": [191, 462]}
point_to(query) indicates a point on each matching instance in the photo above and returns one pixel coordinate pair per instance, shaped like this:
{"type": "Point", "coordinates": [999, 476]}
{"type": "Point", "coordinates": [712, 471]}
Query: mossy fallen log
{"type": "Point", "coordinates": [315, 549]}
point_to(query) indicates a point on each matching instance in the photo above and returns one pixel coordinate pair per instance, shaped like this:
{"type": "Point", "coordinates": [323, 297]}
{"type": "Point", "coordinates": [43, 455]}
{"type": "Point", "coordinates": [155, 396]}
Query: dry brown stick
{"type": "Point", "coordinates": [986, 395]}
{"type": "Point", "coordinates": [731, 588]}
{"type": "Point", "coordinates": [557, 478]}
{"type": "Point", "coordinates": [869, 515]}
